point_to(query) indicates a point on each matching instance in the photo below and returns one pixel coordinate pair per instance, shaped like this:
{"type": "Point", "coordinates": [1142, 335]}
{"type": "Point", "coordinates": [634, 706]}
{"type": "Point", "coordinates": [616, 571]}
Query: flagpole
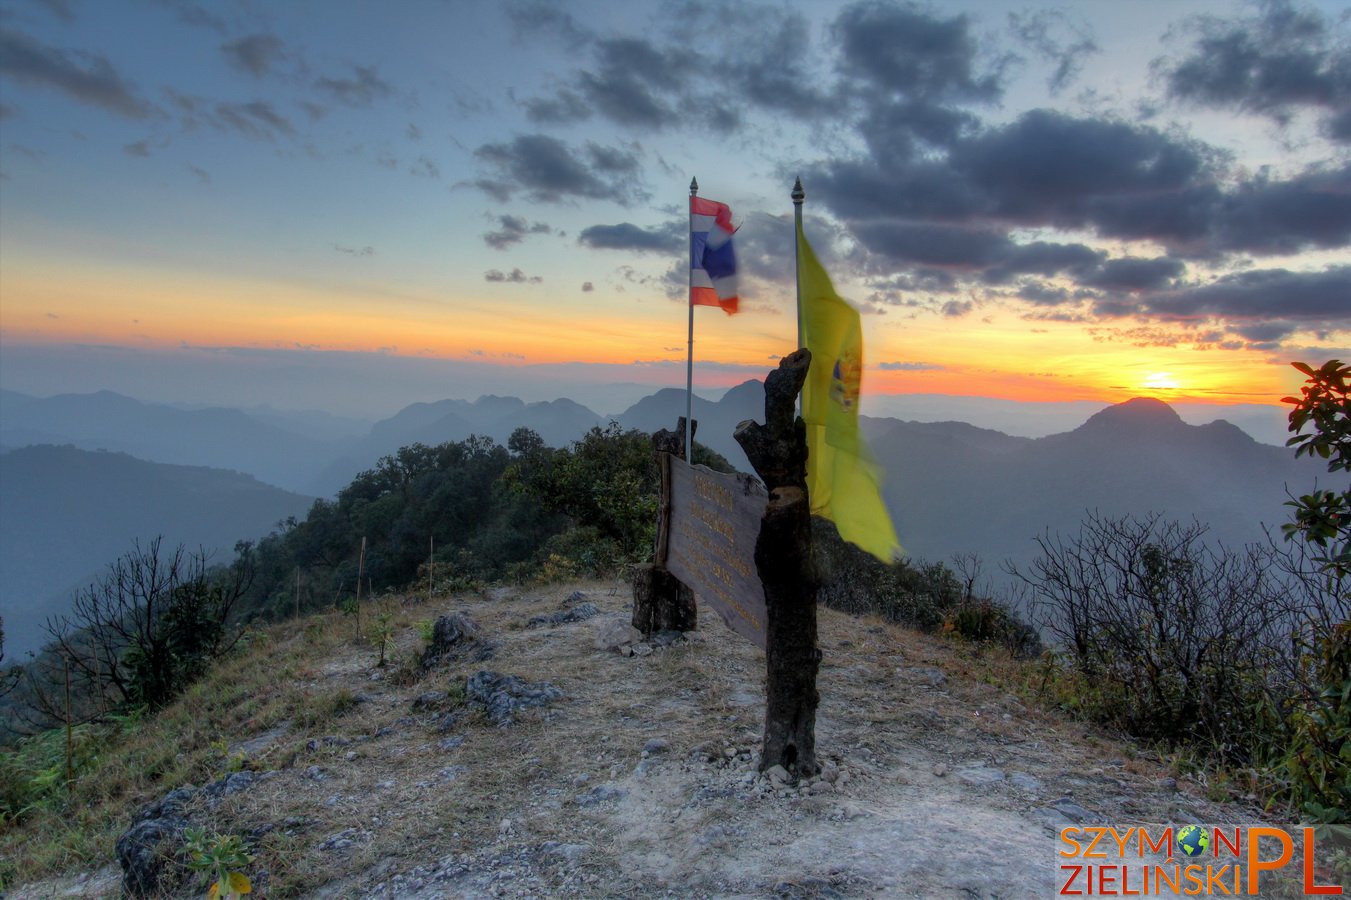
{"type": "Point", "coordinates": [798, 196]}
{"type": "Point", "coordinates": [689, 359]}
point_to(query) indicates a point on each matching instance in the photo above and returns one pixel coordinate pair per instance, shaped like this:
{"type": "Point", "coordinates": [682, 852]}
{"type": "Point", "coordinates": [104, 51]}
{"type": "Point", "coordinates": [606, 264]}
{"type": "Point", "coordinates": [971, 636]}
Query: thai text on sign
{"type": "Point", "coordinates": [709, 542]}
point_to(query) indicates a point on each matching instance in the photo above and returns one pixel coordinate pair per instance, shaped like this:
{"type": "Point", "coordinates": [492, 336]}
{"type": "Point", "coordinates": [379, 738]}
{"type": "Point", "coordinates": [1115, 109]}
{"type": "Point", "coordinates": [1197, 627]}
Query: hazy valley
{"type": "Point", "coordinates": [953, 488]}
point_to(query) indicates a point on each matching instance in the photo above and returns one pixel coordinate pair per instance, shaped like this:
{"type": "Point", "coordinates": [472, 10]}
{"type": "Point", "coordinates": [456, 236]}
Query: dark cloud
{"type": "Point", "coordinates": [530, 17]}
{"type": "Point", "coordinates": [1263, 294]}
{"type": "Point", "coordinates": [1040, 293]}
{"type": "Point", "coordinates": [546, 170]}
{"type": "Point", "coordinates": [1056, 37]}
{"type": "Point", "coordinates": [354, 251]}
{"type": "Point", "coordinates": [904, 50]}
{"type": "Point", "coordinates": [935, 245]}
{"type": "Point", "coordinates": [139, 148]}
{"type": "Point", "coordinates": [255, 53]}
{"type": "Point", "coordinates": [771, 71]}
{"type": "Point", "coordinates": [955, 309]}
{"type": "Point", "coordinates": [587, 287]}
{"type": "Point", "coordinates": [627, 236]}
{"type": "Point", "coordinates": [1134, 273]}
{"type": "Point", "coordinates": [515, 276]}
{"type": "Point", "coordinates": [564, 107]}
{"type": "Point", "coordinates": [1268, 216]}
{"type": "Point", "coordinates": [83, 76]}
{"type": "Point", "coordinates": [513, 230]}
{"type": "Point", "coordinates": [1042, 258]}
{"type": "Point", "coordinates": [1283, 59]}
{"type": "Point", "coordinates": [1048, 167]}
{"type": "Point", "coordinates": [256, 120]}
{"type": "Point", "coordinates": [362, 89]}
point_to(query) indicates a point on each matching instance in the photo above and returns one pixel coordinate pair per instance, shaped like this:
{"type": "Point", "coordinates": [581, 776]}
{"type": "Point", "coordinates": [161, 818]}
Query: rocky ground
{"type": "Point", "coordinates": [548, 753]}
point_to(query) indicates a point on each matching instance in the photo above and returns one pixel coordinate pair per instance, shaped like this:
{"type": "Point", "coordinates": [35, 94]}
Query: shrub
{"type": "Point", "coordinates": [1179, 641]}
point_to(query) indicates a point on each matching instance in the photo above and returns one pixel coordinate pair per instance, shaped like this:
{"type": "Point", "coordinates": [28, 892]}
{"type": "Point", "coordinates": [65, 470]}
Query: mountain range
{"type": "Point", "coordinates": [66, 513]}
{"type": "Point", "coordinates": [952, 487]}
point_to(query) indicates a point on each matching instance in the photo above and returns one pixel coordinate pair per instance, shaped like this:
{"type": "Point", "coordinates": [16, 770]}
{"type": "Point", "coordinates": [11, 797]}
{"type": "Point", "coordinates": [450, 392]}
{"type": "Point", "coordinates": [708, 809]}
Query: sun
{"type": "Point", "coordinates": [1161, 381]}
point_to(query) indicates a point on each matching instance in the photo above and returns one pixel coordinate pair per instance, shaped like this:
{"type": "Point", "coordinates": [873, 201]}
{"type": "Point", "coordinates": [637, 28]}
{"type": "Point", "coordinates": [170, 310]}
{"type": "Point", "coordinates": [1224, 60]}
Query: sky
{"type": "Point", "coordinates": [356, 206]}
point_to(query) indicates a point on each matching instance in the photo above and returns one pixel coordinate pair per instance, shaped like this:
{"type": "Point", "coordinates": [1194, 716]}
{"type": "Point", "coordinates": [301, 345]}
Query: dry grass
{"type": "Point", "coordinates": [395, 789]}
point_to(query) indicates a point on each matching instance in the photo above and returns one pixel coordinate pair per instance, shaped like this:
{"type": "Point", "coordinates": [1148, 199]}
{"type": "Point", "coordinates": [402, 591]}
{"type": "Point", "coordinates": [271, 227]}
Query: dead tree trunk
{"type": "Point", "coordinates": [783, 557]}
{"type": "Point", "coordinates": [661, 601]}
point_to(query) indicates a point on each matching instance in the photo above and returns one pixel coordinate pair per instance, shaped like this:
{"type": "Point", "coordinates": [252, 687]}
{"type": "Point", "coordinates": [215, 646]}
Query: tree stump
{"type": "Point", "coordinates": [783, 556]}
{"type": "Point", "coordinates": [661, 601]}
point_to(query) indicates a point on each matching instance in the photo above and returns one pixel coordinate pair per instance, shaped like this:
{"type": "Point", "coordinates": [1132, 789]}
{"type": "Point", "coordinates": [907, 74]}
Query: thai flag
{"type": "Point", "coordinates": [712, 262]}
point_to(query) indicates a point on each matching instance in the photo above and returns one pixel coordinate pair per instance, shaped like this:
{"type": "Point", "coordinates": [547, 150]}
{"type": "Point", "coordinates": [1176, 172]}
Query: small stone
{"type": "Point", "coordinates": [730, 753]}
{"type": "Point", "coordinates": [1024, 782]}
{"type": "Point", "coordinates": [642, 649]}
{"type": "Point", "coordinates": [830, 773]}
{"type": "Point", "coordinates": [980, 776]}
{"type": "Point", "coordinates": [504, 827]}
{"type": "Point", "coordinates": [616, 635]}
{"type": "Point", "coordinates": [656, 745]}
{"type": "Point", "coordinates": [350, 755]}
{"type": "Point", "coordinates": [940, 769]}
{"type": "Point", "coordinates": [1072, 810]}
{"type": "Point", "coordinates": [777, 775]}
{"type": "Point", "coordinates": [1168, 784]}
{"type": "Point", "coordinates": [822, 787]}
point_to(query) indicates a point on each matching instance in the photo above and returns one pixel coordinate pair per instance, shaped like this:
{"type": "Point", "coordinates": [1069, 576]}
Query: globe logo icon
{"type": "Point", "coordinates": [1193, 840]}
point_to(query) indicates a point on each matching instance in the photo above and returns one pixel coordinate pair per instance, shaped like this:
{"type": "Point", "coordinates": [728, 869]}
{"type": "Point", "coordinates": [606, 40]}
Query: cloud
{"type": "Point", "coordinates": [255, 54]}
{"type": "Point", "coordinates": [139, 148]}
{"type": "Point", "coordinates": [202, 174]}
{"type": "Point", "coordinates": [1283, 59]}
{"type": "Point", "coordinates": [1261, 294]}
{"type": "Point", "coordinates": [1134, 273]}
{"type": "Point", "coordinates": [547, 170]}
{"type": "Point", "coordinates": [513, 230]}
{"type": "Point", "coordinates": [910, 367]}
{"type": "Point", "coordinates": [540, 17]}
{"type": "Point", "coordinates": [85, 77]}
{"type": "Point", "coordinates": [425, 167]}
{"type": "Point", "coordinates": [515, 276]}
{"type": "Point", "coordinates": [354, 251]}
{"type": "Point", "coordinates": [413, 133]}
{"type": "Point", "coordinates": [256, 119]}
{"type": "Point", "coordinates": [1055, 37]}
{"type": "Point", "coordinates": [905, 51]}
{"type": "Point", "coordinates": [362, 89]}
{"type": "Point", "coordinates": [587, 287]}
{"type": "Point", "coordinates": [627, 236]}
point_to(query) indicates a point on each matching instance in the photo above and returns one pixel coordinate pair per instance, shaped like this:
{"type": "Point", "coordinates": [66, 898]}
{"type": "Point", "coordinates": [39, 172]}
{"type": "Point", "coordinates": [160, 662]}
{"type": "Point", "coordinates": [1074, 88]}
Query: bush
{"type": "Point", "coordinates": [928, 597]}
{"type": "Point", "coordinates": [1172, 639]}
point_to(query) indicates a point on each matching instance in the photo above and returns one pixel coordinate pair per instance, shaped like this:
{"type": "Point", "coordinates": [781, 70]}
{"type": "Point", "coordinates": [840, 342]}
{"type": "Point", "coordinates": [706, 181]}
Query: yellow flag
{"type": "Point", "coordinates": [843, 479]}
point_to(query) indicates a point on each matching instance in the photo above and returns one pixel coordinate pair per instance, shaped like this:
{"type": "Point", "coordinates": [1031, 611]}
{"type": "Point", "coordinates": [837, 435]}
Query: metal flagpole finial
{"type": "Point", "coordinates": [694, 186]}
{"type": "Point", "coordinates": [798, 193]}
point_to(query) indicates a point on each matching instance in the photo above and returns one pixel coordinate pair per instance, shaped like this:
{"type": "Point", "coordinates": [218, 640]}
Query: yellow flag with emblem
{"type": "Point", "coordinates": [843, 479]}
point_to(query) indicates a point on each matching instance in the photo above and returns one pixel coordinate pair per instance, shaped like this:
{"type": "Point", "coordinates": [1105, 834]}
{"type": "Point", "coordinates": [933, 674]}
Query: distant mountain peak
{"type": "Point", "coordinates": [1136, 413]}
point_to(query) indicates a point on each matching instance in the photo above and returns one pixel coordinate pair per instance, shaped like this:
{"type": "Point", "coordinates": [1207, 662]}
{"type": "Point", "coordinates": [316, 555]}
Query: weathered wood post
{"type": "Point", "coordinates": [662, 602]}
{"type": "Point", "coordinates": [783, 556]}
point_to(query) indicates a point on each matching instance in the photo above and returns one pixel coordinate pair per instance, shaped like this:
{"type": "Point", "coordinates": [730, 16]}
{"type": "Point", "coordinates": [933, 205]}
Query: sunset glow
{"type": "Point", "coordinates": [505, 187]}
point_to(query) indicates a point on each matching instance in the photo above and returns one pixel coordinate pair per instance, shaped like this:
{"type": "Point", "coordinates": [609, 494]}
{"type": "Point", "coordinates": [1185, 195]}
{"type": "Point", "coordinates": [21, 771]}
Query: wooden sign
{"type": "Point", "coordinates": [707, 540]}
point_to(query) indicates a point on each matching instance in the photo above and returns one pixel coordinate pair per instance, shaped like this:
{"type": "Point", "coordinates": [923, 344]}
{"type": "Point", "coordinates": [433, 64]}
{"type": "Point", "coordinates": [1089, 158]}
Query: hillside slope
{"type": "Point", "coordinates": [66, 513]}
{"type": "Point", "coordinates": [638, 777]}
